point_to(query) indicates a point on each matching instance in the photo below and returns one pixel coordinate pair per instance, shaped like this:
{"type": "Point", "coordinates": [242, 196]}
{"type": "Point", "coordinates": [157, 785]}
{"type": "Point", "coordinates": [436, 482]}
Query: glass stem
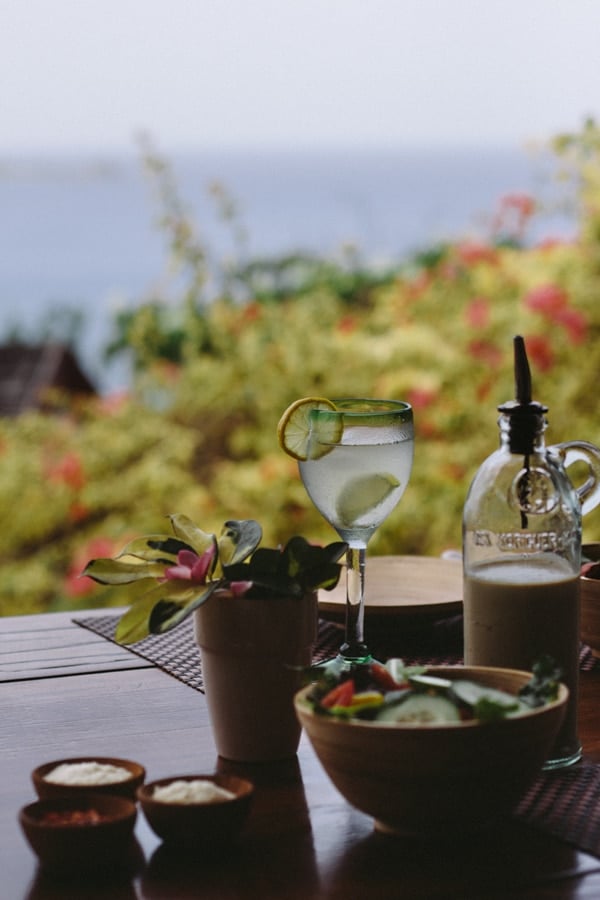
{"type": "Point", "coordinates": [354, 647]}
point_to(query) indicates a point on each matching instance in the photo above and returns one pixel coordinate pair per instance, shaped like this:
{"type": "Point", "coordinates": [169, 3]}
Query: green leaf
{"type": "Point", "coordinates": [290, 572]}
{"type": "Point", "coordinates": [238, 539]}
{"type": "Point", "coordinates": [266, 560]}
{"type": "Point", "coordinates": [133, 628]}
{"type": "Point", "coordinates": [198, 540]}
{"type": "Point", "coordinates": [313, 566]}
{"type": "Point", "coordinates": [264, 581]}
{"type": "Point", "coordinates": [134, 625]}
{"type": "Point", "coordinates": [297, 555]}
{"type": "Point", "coordinates": [141, 619]}
{"type": "Point", "coordinates": [168, 613]}
{"type": "Point", "coordinates": [116, 571]}
{"type": "Point", "coordinates": [544, 683]}
{"type": "Point", "coordinates": [490, 710]}
{"type": "Point", "coordinates": [323, 577]}
{"type": "Point", "coordinates": [334, 551]}
{"type": "Point", "coordinates": [155, 548]}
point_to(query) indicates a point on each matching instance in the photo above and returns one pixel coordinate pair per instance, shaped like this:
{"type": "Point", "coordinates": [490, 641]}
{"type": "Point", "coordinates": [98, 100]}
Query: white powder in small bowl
{"type": "Point", "coordinates": [197, 791]}
{"type": "Point", "coordinates": [87, 773]}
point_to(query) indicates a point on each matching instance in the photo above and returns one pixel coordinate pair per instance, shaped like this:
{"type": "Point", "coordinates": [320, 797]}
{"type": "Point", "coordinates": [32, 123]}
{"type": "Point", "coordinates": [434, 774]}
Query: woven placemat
{"type": "Point", "coordinates": [565, 804]}
{"type": "Point", "coordinates": [176, 652]}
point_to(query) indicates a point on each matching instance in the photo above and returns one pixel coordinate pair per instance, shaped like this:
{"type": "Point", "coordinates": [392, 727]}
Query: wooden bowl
{"type": "Point", "coordinates": [71, 845]}
{"type": "Point", "coordinates": [441, 780]}
{"type": "Point", "coordinates": [198, 824]}
{"type": "Point", "coordinates": [127, 788]}
{"type": "Point", "coordinates": [590, 602]}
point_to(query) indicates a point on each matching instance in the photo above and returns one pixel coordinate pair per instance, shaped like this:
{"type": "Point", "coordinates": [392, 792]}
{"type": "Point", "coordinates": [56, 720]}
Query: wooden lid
{"type": "Point", "coordinates": [403, 585]}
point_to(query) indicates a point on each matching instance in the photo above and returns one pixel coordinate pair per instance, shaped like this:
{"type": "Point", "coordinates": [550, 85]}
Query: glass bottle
{"type": "Point", "coordinates": [522, 550]}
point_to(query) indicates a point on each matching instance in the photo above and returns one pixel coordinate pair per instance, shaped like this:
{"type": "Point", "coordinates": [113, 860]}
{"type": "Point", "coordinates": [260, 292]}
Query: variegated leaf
{"type": "Point", "coordinates": [134, 625]}
{"type": "Point", "coordinates": [155, 548]}
{"type": "Point", "coordinates": [116, 571]}
{"type": "Point", "coordinates": [323, 577]}
{"type": "Point", "coordinates": [187, 531]}
{"type": "Point", "coordinates": [238, 539]}
{"type": "Point", "coordinates": [168, 613]}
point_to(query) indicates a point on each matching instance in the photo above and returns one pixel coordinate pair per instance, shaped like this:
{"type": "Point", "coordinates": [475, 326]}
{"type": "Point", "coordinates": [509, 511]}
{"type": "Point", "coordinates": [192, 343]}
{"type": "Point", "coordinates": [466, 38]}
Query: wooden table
{"type": "Point", "coordinates": [64, 691]}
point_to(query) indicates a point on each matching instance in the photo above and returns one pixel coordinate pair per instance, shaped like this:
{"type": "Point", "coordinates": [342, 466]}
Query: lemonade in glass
{"type": "Point", "coordinates": [355, 458]}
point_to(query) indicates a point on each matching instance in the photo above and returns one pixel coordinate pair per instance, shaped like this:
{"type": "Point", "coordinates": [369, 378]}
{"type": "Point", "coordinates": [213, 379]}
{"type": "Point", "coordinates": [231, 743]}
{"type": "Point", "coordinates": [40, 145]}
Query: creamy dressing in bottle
{"type": "Point", "coordinates": [517, 612]}
{"type": "Point", "coordinates": [522, 551]}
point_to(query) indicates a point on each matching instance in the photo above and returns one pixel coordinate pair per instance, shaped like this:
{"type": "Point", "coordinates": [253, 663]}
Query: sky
{"type": "Point", "coordinates": [91, 75]}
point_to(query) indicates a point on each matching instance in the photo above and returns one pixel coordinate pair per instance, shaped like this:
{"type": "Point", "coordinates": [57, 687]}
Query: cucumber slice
{"type": "Point", "coordinates": [430, 681]}
{"type": "Point", "coordinates": [420, 709]}
{"type": "Point", "coordinates": [470, 693]}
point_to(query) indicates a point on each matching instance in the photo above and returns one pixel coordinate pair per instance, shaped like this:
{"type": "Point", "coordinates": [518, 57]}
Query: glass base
{"type": "Point", "coordinates": [357, 654]}
{"type": "Point", "coordinates": [341, 664]}
{"type": "Point", "coordinates": [562, 762]}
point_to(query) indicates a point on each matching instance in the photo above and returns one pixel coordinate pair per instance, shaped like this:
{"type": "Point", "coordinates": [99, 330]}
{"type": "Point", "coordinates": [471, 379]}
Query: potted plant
{"type": "Point", "coordinates": [255, 614]}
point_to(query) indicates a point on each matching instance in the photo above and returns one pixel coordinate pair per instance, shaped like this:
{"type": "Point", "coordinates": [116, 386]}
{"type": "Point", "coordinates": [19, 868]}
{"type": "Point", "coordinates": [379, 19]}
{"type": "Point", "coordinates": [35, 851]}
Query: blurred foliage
{"type": "Point", "coordinates": [221, 354]}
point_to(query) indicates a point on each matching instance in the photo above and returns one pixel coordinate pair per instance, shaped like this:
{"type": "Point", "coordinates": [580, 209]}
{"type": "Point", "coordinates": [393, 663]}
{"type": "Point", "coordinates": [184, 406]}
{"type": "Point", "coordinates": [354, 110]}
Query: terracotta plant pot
{"type": "Point", "coordinates": [253, 651]}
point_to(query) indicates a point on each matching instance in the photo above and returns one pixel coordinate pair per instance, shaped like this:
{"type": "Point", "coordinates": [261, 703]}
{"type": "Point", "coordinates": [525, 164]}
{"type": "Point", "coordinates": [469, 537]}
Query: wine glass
{"type": "Point", "coordinates": [359, 461]}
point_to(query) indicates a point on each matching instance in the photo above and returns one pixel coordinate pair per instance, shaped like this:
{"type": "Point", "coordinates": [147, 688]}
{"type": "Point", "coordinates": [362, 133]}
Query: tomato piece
{"type": "Point", "coordinates": [382, 677]}
{"type": "Point", "coordinates": [341, 695]}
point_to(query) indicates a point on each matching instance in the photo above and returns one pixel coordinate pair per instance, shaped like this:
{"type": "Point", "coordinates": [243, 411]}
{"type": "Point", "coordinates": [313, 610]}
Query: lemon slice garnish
{"type": "Point", "coordinates": [294, 429]}
{"type": "Point", "coordinates": [363, 494]}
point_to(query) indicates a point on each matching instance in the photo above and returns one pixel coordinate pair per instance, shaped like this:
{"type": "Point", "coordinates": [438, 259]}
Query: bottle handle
{"type": "Point", "coordinates": [582, 451]}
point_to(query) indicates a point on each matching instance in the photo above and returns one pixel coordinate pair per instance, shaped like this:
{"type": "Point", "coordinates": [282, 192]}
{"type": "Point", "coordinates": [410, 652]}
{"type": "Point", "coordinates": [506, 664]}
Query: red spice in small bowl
{"type": "Point", "coordinates": [89, 816]}
{"type": "Point", "coordinates": [79, 831]}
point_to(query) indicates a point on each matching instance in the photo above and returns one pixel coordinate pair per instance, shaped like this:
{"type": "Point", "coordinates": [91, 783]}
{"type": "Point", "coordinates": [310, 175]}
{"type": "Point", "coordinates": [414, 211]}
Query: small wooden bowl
{"type": "Point", "coordinates": [76, 846]}
{"type": "Point", "coordinates": [127, 788]}
{"type": "Point", "coordinates": [440, 780]}
{"type": "Point", "coordinates": [590, 602]}
{"type": "Point", "coordinates": [198, 824]}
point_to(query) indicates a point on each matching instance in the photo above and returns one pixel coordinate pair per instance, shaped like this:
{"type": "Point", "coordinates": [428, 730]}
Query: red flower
{"type": "Point", "coordinates": [418, 285]}
{"type": "Point", "coordinates": [78, 511]}
{"type": "Point", "coordinates": [194, 568]}
{"type": "Point", "coordinates": [477, 312]}
{"type": "Point", "coordinates": [69, 471]}
{"type": "Point", "coordinates": [513, 214]}
{"type": "Point", "coordinates": [540, 352]}
{"type": "Point", "coordinates": [551, 243]}
{"type": "Point", "coordinates": [77, 586]}
{"type": "Point", "coordinates": [470, 253]}
{"type": "Point", "coordinates": [427, 428]}
{"type": "Point", "coordinates": [252, 312]}
{"type": "Point", "coordinates": [523, 204]}
{"type": "Point", "coordinates": [575, 324]}
{"type": "Point", "coordinates": [552, 302]}
{"type": "Point", "coordinates": [485, 352]}
{"type": "Point", "coordinates": [547, 299]}
{"type": "Point", "coordinates": [347, 324]}
{"type": "Point", "coordinates": [421, 398]}
{"type": "Point", "coordinates": [191, 567]}
{"type": "Point", "coordinates": [483, 389]}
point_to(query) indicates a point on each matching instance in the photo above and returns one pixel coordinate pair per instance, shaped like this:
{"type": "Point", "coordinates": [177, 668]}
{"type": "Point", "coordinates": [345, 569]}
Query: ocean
{"type": "Point", "coordinates": [82, 232]}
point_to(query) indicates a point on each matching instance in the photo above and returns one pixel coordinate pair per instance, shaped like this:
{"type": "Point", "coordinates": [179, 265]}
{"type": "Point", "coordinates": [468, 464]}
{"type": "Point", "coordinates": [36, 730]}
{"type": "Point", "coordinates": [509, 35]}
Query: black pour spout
{"type": "Point", "coordinates": [526, 415]}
